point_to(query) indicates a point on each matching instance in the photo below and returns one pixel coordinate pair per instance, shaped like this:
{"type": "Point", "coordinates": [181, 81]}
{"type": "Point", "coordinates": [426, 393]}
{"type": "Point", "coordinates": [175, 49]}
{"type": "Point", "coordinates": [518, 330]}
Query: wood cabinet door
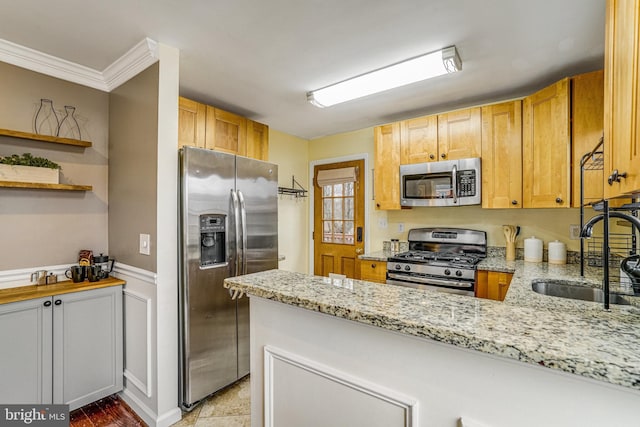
{"type": "Point", "coordinates": [622, 97]}
{"type": "Point", "coordinates": [25, 358]}
{"type": "Point", "coordinates": [502, 155]}
{"type": "Point", "coordinates": [419, 140]}
{"type": "Point", "coordinates": [387, 166]}
{"type": "Point", "coordinates": [546, 147]}
{"type": "Point", "coordinates": [191, 123]}
{"type": "Point", "coordinates": [226, 132]}
{"type": "Point", "coordinates": [587, 118]}
{"type": "Point", "coordinates": [459, 134]}
{"type": "Point", "coordinates": [373, 271]}
{"type": "Point", "coordinates": [492, 284]}
{"type": "Point", "coordinates": [87, 346]}
{"type": "Point", "coordinates": [257, 140]}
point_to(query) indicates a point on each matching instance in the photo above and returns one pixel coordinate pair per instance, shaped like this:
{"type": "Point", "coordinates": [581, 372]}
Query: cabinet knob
{"type": "Point", "coordinates": [359, 251]}
{"type": "Point", "coordinates": [443, 155]}
{"type": "Point", "coordinates": [377, 205]}
{"type": "Point", "coordinates": [616, 176]}
{"type": "Point", "coordinates": [58, 302]}
{"type": "Point", "coordinates": [514, 202]}
{"type": "Point", "coordinates": [558, 200]}
{"type": "Point", "coordinates": [373, 266]}
{"type": "Point", "coordinates": [47, 303]}
{"type": "Point", "coordinates": [431, 156]}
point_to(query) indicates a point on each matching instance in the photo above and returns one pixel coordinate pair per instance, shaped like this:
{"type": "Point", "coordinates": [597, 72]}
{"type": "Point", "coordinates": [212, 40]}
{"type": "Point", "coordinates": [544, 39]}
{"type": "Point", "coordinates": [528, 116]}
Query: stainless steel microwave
{"type": "Point", "coordinates": [444, 183]}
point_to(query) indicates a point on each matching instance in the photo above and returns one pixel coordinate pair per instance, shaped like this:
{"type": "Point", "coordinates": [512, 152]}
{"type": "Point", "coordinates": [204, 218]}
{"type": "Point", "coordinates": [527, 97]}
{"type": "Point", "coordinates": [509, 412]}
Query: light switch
{"type": "Point", "coordinates": [145, 244]}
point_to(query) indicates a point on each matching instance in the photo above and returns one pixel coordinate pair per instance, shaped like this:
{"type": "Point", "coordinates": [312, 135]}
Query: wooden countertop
{"type": "Point", "coordinates": [24, 293]}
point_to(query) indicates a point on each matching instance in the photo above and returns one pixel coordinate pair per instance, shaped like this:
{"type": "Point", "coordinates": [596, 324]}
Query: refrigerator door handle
{"type": "Point", "coordinates": [243, 214]}
{"type": "Point", "coordinates": [236, 234]}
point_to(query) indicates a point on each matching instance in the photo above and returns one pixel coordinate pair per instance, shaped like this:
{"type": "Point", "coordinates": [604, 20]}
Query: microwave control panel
{"type": "Point", "coordinates": [467, 183]}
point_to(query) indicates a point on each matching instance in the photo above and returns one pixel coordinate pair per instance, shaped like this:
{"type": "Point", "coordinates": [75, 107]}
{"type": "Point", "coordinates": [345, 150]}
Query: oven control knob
{"type": "Point", "coordinates": [397, 267]}
{"type": "Point", "coordinates": [458, 273]}
{"type": "Point", "coordinates": [407, 268]}
{"type": "Point", "coordinates": [447, 272]}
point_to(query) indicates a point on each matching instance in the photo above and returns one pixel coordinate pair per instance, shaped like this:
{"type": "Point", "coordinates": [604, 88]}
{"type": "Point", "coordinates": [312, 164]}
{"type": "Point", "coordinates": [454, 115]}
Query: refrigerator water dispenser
{"type": "Point", "coordinates": [212, 240]}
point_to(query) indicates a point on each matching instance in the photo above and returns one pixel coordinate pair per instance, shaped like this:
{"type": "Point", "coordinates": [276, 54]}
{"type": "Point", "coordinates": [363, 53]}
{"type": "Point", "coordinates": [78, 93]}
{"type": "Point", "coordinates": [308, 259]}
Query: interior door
{"type": "Point", "coordinates": [339, 222]}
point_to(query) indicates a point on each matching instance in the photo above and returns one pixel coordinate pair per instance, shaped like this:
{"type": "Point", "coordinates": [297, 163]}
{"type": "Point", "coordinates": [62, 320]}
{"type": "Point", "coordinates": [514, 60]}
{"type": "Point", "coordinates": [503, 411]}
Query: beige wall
{"type": "Point", "coordinates": [290, 154]}
{"type": "Point", "coordinates": [40, 227]}
{"type": "Point", "coordinates": [133, 149]}
{"type": "Point", "coordinates": [547, 224]}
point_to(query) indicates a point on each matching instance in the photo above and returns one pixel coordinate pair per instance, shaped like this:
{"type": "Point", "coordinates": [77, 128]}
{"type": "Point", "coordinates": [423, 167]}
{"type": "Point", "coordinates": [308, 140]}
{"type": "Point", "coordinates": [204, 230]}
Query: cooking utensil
{"type": "Point", "coordinates": [510, 234]}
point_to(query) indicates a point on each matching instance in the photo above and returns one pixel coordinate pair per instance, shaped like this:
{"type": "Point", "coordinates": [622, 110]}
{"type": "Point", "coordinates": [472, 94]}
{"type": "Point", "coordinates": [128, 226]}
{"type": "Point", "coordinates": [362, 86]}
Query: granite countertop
{"type": "Point", "coordinates": [573, 336]}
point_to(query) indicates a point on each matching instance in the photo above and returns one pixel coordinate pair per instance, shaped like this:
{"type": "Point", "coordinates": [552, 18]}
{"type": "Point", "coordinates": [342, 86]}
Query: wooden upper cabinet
{"type": "Point", "coordinates": [387, 166]}
{"type": "Point", "coordinates": [257, 140]}
{"type": "Point", "coordinates": [587, 116]}
{"type": "Point", "coordinates": [419, 140]}
{"type": "Point", "coordinates": [191, 123]}
{"type": "Point", "coordinates": [459, 134]}
{"type": "Point", "coordinates": [226, 132]}
{"type": "Point", "coordinates": [546, 147]}
{"type": "Point", "coordinates": [204, 126]}
{"type": "Point", "coordinates": [622, 99]}
{"type": "Point", "coordinates": [502, 155]}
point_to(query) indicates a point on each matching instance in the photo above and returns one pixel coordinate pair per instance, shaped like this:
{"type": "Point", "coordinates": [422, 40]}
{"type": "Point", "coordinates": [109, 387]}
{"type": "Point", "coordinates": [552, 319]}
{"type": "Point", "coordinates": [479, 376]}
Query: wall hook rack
{"type": "Point", "coordinates": [298, 191]}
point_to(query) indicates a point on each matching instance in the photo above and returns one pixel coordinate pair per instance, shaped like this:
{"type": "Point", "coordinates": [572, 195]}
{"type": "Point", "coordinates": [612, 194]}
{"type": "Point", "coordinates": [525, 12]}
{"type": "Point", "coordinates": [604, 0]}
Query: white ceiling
{"type": "Point", "coordinates": [258, 58]}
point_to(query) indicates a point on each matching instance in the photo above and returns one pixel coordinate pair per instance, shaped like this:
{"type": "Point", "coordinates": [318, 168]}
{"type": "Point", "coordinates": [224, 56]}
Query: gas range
{"type": "Point", "coordinates": [443, 259]}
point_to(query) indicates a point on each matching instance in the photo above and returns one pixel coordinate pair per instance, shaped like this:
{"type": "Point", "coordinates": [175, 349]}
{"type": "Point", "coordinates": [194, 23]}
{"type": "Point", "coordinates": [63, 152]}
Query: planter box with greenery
{"type": "Point", "coordinates": [27, 168]}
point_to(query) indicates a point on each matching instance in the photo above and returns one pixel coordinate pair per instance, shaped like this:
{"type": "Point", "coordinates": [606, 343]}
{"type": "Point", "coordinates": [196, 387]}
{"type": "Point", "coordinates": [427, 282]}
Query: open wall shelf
{"type": "Point", "coordinates": [39, 186]}
{"type": "Point", "coordinates": [44, 138]}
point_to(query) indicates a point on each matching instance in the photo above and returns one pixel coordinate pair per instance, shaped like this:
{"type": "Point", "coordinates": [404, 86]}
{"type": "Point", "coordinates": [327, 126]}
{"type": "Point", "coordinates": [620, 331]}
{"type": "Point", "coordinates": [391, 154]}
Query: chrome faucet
{"type": "Point", "coordinates": [587, 230]}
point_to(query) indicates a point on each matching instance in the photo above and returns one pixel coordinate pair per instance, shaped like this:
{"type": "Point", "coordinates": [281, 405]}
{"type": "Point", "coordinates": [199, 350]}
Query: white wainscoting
{"type": "Point", "coordinates": [138, 363]}
{"type": "Point", "coordinates": [299, 391]}
{"type": "Point", "coordinates": [140, 371]}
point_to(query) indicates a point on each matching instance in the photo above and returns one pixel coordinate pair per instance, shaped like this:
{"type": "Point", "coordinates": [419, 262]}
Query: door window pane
{"type": "Point", "coordinates": [338, 213]}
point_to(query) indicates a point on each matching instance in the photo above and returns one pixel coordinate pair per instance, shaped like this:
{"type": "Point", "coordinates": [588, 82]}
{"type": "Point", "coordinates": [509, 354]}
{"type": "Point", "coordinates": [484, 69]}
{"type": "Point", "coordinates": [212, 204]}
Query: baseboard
{"type": "Point", "coordinates": [148, 416]}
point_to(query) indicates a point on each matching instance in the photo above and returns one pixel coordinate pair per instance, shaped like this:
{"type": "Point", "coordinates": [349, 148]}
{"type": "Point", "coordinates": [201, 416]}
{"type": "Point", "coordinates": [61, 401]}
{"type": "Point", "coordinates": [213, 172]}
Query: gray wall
{"type": "Point", "coordinates": [40, 227]}
{"type": "Point", "coordinates": [133, 151]}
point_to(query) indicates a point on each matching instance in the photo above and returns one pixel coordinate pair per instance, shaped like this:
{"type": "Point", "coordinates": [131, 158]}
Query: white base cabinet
{"type": "Point", "coordinates": [64, 349]}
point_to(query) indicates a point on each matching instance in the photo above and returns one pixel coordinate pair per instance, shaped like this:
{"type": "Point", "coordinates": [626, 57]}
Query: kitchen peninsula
{"type": "Point", "coordinates": [349, 352]}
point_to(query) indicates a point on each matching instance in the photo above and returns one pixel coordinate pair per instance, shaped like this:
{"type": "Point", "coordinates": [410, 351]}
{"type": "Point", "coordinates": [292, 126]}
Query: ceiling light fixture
{"type": "Point", "coordinates": [410, 71]}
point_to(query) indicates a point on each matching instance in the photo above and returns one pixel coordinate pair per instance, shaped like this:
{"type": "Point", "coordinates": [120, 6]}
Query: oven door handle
{"type": "Point", "coordinates": [454, 183]}
{"type": "Point", "coordinates": [431, 281]}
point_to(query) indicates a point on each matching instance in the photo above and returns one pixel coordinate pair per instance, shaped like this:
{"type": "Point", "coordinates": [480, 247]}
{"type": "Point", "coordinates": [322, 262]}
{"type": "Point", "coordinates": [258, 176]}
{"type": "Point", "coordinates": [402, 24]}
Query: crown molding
{"type": "Point", "coordinates": [128, 65]}
{"type": "Point", "coordinates": [136, 60]}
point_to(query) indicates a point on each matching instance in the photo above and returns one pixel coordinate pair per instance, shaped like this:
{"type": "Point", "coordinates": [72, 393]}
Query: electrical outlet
{"type": "Point", "coordinates": [400, 227]}
{"type": "Point", "coordinates": [574, 232]}
{"type": "Point", "coordinates": [145, 244]}
{"type": "Point", "coordinates": [382, 223]}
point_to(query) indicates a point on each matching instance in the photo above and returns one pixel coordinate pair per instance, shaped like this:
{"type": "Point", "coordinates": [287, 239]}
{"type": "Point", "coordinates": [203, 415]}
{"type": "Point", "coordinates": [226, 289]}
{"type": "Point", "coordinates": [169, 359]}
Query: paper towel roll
{"type": "Point", "coordinates": [533, 249]}
{"type": "Point", "coordinates": [557, 253]}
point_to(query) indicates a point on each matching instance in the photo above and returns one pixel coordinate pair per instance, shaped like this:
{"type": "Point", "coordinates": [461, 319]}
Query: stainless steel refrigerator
{"type": "Point", "coordinates": [228, 227]}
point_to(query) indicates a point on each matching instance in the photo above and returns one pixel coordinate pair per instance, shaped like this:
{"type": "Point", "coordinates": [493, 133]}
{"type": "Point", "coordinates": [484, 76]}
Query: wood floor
{"type": "Point", "coordinates": [229, 407]}
{"type": "Point", "coordinates": [108, 412]}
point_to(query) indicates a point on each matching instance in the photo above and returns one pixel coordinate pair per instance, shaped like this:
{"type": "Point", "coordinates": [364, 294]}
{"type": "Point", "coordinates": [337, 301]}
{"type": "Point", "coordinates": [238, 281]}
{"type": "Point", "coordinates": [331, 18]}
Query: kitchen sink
{"type": "Point", "coordinates": [564, 289]}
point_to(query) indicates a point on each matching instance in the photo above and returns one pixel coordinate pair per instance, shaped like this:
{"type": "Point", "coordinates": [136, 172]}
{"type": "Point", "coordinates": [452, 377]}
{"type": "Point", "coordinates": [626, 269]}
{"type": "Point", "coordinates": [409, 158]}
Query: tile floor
{"type": "Point", "coordinates": [230, 407]}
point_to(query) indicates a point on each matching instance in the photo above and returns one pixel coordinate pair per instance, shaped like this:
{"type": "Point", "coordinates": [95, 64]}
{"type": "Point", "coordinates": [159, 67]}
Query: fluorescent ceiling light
{"type": "Point", "coordinates": [403, 73]}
